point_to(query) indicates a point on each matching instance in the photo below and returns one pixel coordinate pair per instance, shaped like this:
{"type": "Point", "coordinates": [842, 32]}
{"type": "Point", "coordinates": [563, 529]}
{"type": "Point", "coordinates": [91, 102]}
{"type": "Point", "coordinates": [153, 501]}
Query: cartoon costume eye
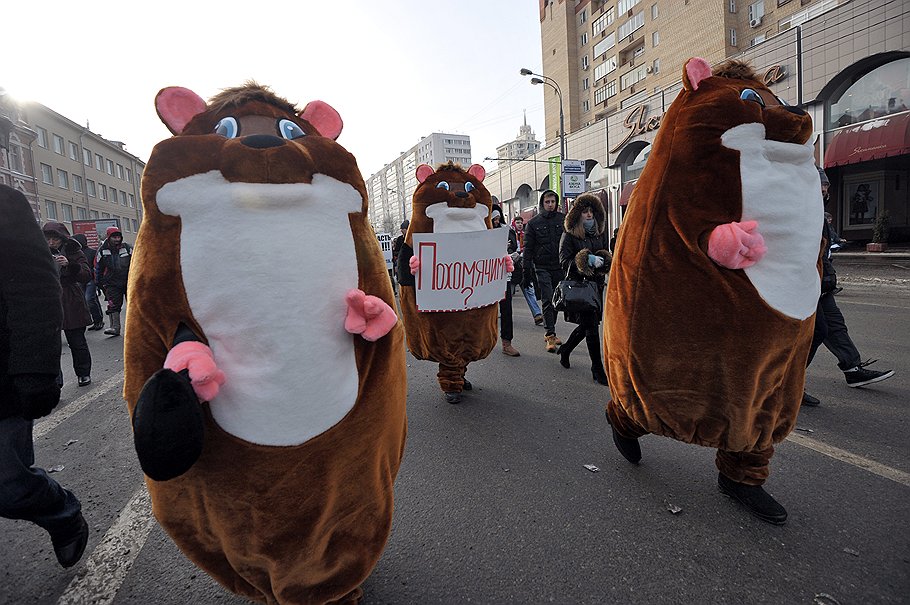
{"type": "Point", "coordinates": [227, 127]}
{"type": "Point", "coordinates": [290, 130]}
{"type": "Point", "coordinates": [442, 185]}
{"type": "Point", "coordinates": [469, 186]}
{"type": "Point", "coordinates": [751, 95]}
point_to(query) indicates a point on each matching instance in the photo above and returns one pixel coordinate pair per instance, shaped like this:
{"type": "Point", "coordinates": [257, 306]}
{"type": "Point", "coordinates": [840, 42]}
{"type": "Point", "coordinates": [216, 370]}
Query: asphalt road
{"type": "Point", "coordinates": [494, 503]}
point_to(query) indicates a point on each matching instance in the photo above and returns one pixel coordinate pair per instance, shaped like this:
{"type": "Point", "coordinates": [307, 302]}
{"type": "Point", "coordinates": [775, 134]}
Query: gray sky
{"type": "Point", "coordinates": [395, 71]}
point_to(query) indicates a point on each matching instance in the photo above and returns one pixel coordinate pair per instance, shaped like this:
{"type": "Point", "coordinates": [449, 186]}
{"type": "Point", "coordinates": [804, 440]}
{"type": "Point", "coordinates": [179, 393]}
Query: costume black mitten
{"type": "Point", "coordinates": [38, 394]}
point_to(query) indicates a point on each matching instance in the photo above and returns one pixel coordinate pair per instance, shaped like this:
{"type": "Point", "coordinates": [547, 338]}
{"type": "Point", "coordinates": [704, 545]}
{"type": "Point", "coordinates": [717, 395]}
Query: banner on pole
{"type": "Point", "coordinates": [555, 181]}
{"type": "Point", "coordinates": [460, 271]}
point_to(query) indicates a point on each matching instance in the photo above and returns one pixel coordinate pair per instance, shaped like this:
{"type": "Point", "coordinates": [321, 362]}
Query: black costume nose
{"type": "Point", "coordinates": [795, 110]}
{"type": "Point", "coordinates": [461, 194]}
{"type": "Point", "coordinates": [262, 141]}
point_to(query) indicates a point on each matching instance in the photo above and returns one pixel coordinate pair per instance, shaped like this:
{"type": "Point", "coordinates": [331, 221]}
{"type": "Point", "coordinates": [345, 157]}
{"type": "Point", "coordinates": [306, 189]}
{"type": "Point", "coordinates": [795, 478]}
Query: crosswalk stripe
{"type": "Point", "coordinates": [62, 414]}
{"type": "Point", "coordinates": [872, 466]}
{"type": "Point", "coordinates": [106, 569]}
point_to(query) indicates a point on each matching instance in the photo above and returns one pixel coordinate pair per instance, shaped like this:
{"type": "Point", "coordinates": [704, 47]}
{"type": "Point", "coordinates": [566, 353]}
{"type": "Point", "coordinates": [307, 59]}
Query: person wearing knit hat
{"type": "Point", "coordinates": [112, 268]}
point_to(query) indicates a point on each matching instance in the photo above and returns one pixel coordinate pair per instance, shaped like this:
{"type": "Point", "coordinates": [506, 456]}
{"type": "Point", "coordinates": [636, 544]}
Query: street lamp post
{"type": "Point", "coordinates": [542, 79]}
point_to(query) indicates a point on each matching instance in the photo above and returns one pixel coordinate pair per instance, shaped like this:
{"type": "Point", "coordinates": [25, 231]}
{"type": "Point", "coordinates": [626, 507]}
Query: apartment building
{"type": "Point", "coordinates": [519, 148]}
{"type": "Point", "coordinates": [66, 171]}
{"type": "Point", "coordinates": [391, 189]}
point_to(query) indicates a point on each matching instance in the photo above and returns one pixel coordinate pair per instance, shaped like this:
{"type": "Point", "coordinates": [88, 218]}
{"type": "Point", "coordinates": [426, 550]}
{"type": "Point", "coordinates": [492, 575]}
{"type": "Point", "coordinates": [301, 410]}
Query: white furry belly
{"type": "Point", "coordinates": [266, 268]}
{"type": "Point", "coordinates": [782, 191]}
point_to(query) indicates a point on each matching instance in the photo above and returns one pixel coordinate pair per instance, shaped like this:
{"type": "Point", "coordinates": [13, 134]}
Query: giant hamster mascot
{"type": "Point", "coordinates": [258, 288]}
{"type": "Point", "coordinates": [447, 200]}
{"type": "Point", "coordinates": [715, 280]}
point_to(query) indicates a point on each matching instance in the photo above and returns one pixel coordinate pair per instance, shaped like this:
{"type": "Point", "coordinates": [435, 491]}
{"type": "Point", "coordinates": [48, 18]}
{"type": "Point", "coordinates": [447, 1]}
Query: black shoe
{"type": "Point", "coordinates": [538, 320]}
{"type": "Point", "coordinates": [836, 291]}
{"type": "Point", "coordinates": [809, 400]}
{"type": "Point", "coordinates": [629, 448]}
{"type": "Point", "coordinates": [563, 356]}
{"type": "Point", "coordinates": [84, 381]}
{"type": "Point", "coordinates": [860, 376]}
{"type": "Point", "coordinates": [69, 543]}
{"type": "Point", "coordinates": [453, 397]}
{"type": "Point", "coordinates": [759, 502]}
{"type": "Point", "coordinates": [467, 385]}
{"type": "Point", "coordinates": [96, 326]}
{"type": "Point", "coordinates": [600, 377]}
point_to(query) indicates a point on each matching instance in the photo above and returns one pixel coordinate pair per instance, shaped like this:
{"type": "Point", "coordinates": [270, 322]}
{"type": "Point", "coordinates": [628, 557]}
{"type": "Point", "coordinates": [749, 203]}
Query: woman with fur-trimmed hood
{"type": "Point", "coordinates": [584, 254]}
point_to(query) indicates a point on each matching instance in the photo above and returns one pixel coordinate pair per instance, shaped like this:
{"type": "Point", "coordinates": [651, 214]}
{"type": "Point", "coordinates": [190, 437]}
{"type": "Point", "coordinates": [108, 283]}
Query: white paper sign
{"type": "Point", "coordinates": [460, 271]}
{"type": "Point", "coordinates": [385, 242]}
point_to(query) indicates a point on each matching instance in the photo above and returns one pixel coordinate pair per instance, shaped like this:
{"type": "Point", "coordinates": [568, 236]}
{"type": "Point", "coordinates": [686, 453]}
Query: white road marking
{"type": "Point", "coordinates": [104, 572]}
{"type": "Point", "coordinates": [62, 414]}
{"type": "Point", "coordinates": [876, 468]}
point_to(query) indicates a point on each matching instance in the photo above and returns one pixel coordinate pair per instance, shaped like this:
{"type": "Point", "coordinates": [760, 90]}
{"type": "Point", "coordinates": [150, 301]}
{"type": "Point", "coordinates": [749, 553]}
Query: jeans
{"type": "Point", "coordinates": [831, 329]}
{"type": "Point", "coordinates": [82, 358]}
{"type": "Point", "coordinates": [531, 297]}
{"type": "Point", "coordinates": [547, 280]}
{"type": "Point", "coordinates": [27, 492]}
{"type": "Point", "coordinates": [94, 305]}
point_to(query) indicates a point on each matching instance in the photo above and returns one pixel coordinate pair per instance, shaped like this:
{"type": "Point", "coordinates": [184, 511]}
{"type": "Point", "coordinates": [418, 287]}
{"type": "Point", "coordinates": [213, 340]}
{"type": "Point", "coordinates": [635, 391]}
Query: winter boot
{"type": "Point", "coordinates": [551, 345]}
{"type": "Point", "coordinates": [759, 502]}
{"type": "Point", "coordinates": [566, 348]}
{"type": "Point", "coordinates": [508, 349]}
{"type": "Point", "coordinates": [592, 339]}
{"type": "Point", "coordinates": [114, 330]}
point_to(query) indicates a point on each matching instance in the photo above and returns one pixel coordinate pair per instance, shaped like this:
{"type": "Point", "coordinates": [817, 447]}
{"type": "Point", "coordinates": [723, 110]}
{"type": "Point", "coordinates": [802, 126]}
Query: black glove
{"type": "Point", "coordinates": [38, 394]}
{"type": "Point", "coordinates": [526, 280]}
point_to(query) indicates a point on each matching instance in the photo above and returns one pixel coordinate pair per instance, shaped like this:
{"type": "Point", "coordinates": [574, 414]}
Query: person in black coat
{"type": "Point", "coordinates": [505, 305]}
{"type": "Point", "coordinates": [31, 316]}
{"type": "Point", "coordinates": [91, 288]}
{"type": "Point", "coordinates": [584, 255]}
{"type": "Point", "coordinates": [541, 259]}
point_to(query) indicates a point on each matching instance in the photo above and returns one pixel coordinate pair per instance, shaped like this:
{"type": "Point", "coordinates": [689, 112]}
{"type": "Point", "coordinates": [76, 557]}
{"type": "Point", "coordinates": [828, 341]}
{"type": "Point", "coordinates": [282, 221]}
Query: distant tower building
{"type": "Point", "coordinates": [526, 144]}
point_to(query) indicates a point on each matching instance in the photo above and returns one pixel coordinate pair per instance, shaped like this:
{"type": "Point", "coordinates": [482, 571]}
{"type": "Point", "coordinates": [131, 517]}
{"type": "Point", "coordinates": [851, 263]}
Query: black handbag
{"type": "Point", "coordinates": [576, 296]}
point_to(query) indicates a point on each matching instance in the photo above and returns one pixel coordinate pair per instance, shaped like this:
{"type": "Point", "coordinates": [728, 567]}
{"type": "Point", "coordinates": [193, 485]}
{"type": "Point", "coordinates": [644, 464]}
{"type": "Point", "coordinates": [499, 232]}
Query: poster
{"type": "Point", "coordinates": [94, 229]}
{"type": "Point", "coordinates": [862, 202]}
{"type": "Point", "coordinates": [385, 243]}
{"type": "Point", "coordinates": [460, 271]}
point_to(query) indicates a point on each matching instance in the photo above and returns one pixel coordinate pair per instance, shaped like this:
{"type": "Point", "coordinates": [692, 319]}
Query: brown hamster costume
{"type": "Point", "coordinates": [258, 284]}
{"type": "Point", "coordinates": [449, 199]}
{"type": "Point", "coordinates": [715, 280]}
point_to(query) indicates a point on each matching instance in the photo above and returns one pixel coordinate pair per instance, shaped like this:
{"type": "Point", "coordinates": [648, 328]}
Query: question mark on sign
{"type": "Point", "coordinates": [465, 289]}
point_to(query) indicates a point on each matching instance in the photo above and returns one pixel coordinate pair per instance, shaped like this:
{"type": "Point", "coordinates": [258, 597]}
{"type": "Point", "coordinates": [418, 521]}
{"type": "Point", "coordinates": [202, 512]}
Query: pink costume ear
{"type": "Point", "coordinates": [176, 106]}
{"type": "Point", "coordinates": [323, 118]}
{"type": "Point", "coordinates": [423, 171]}
{"type": "Point", "coordinates": [477, 171]}
{"type": "Point", "coordinates": [696, 70]}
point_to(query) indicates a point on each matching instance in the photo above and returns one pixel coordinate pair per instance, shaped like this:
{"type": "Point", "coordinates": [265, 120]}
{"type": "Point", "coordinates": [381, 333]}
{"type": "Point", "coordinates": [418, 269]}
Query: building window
{"type": "Point", "coordinates": [584, 38]}
{"type": "Point", "coordinates": [67, 211]}
{"type": "Point", "coordinates": [42, 137]}
{"type": "Point", "coordinates": [126, 225]}
{"type": "Point", "coordinates": [632, 25]}
{"type": "Point", "coordinates": [132, 199]}
{"type": "Point", "coordinates": [47, 174]}
{"type": "Point", "coordinates": [603, 22]}
{"type": "Point", "coordinates": [656, 66]}
{"type": "Point", "coordinates": [586, 106]}
{"type": "Point", "coordinates": [654, 12]}
{"type": "Point", "coordinates": [90, 187]}
{"type": "Point", "coordinates": [879, 93]}
{"type": "Point", "coordinates": [585, 84]}
{"type": "Point", "coordinates": [626, 5]}
{"type": "Point", "coordinates": [757, 40]}
{"type": "Point", "coordinates": [123, 198]}
{"type": "Point", "coordinates": [655, 38]}
{"type": "Point", "coordinates": [733, 6]}
{"type": "Point", "coordinates": [119, 171]}
{"type": "Point", "coordinates": [604, 45]}
{"type": "Point", "coordinates": [105, 215]}
{"type": "Point", "coordinates": [81, 213]}
{"type": "Point", "coordinates": [74, 151]}
{"type": "Point", "coordinates": [113, 195]}
{"type": "Point", "coordinates": [86, 157]}
{"type": "Point", "coordinates": [93, 214]}
{"type": "Point", "coordinates": [604, 68]}
{"type": "Point", "coordinates": [633, 77]}
{"type": "Point", "coordinates": [129, 175]}
{"type": "Point", "coordinates": [110, 167]}
{"type": "Point", "coordinates": [135, 226]}
{"type": "Point", "coordinates": [77, 183]}
{"type": "Point", "coordinates": [58, 144]}
{"type": "Point", "coordinates": [756, 10]}
{"type": "Point", "coordinates": [51, 210]}
{"type": "Point", "coordinates": [584, 16]}
{"type": "Point", "coordinates": [99, 162]}
{"type": "Point", "coordinates": [102, 191]}
{"type": "Point", "coordinates": [63, 179]}
{"type": "Point", "coordinates": [584, 61]}
{"type": "Point", "coordinates": [15, 158]}
{"type": "Point", "coordinates": [732, 36]}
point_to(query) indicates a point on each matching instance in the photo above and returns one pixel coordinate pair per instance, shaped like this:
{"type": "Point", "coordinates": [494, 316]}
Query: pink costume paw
{"type": "Point", "coordinates": [369, 316]}
{"type": "Point", "coordinates": [510, 264]}
{"type": "Point", "coordinates": [199, 360]}
{"type": "Point", "coordinates": [736, 245]}
{"type": "Point", "coordinates": [414, 264]}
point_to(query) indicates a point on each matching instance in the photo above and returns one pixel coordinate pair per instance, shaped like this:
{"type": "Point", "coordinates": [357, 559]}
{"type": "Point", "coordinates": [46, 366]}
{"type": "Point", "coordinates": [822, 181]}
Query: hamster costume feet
{"type": "Point", "coordinates": [167, 425]}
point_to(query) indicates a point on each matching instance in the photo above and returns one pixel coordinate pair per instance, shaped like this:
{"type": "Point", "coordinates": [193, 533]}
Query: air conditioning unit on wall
{"type": "Point", "coordinates": [755, 22]}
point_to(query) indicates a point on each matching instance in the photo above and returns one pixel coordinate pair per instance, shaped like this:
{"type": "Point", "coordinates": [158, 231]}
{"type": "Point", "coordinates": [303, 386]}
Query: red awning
{"type": "Point", "coordinates": [885, 137]}
{"type": "Point", "coordinates": [626, 192]}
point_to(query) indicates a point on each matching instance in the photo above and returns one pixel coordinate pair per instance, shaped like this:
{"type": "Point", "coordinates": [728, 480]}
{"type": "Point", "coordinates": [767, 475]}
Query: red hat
{"type": "Point", "coordinates": [112, 230]}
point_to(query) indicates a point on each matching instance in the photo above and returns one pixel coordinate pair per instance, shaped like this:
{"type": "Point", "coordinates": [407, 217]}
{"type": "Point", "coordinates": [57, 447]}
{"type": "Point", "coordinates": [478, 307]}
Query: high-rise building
{"type": "Point", "coordinates": [390, 190]}
{"type": "Point", "coordinates": [518, 149]}
{"type": "Point", "coordinates": [66, 171]}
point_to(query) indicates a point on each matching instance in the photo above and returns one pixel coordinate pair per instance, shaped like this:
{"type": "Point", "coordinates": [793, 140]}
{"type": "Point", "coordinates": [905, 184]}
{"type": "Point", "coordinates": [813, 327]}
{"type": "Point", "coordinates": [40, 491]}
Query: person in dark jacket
{"type": "Point", "coordinates": [505, 305]}
{"type": "Point", "coordinates": [541, 257]}
{"type": "Point", "coordinates": [74, 274]}
{"type": "Point", "coordinates": [30, 321]}
{"type": "Point", "coordinates": [112, 269]}
{"type": "Point", "coordinates": [583, 255]}
{"type": "Point", "coordinates": [830, 326]}
{"type": "Point", "coordinates": [91, 288]}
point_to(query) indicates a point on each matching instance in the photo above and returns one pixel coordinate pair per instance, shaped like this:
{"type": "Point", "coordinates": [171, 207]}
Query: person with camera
{"type": "Point", "coordinates": [584, 255]}
{"type": "Point", "coordinates": [30, 319]}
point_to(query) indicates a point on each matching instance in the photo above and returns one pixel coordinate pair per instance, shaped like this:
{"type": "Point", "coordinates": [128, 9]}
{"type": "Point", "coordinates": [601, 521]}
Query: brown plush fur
{"type": "Point", "coordinates": [300, 524]}
{"type": "Point", "coordinates": [453, 339]}
{"type": "Point", "coordinates": [693, 352]}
